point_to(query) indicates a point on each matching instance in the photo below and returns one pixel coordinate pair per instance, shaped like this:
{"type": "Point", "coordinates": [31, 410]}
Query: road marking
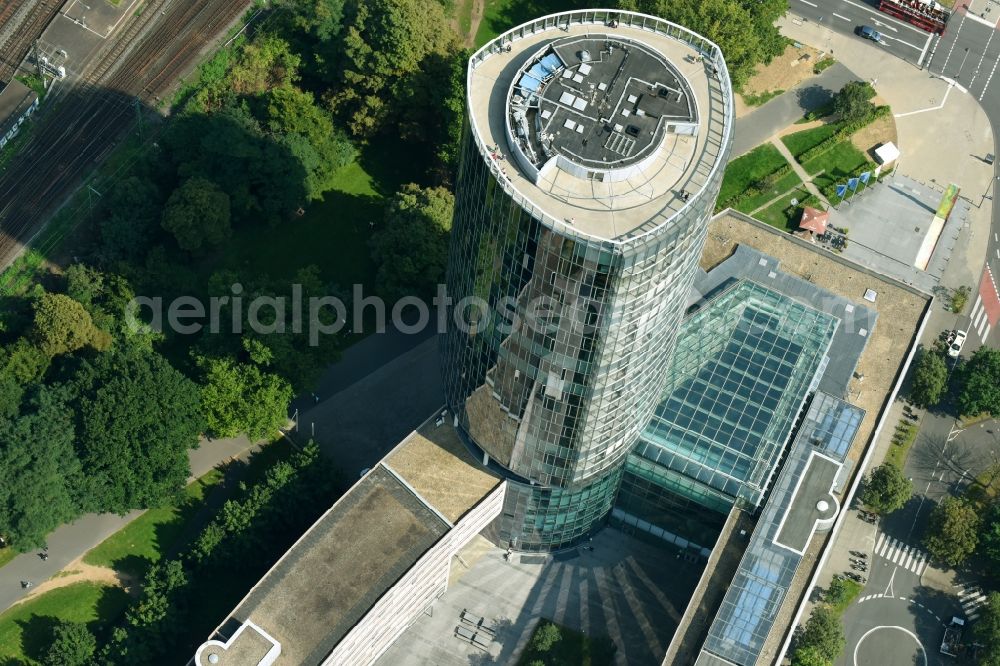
{"type": "Point", "coordinates": [901, 41]}
{"type": "Point", "coordinates": [930, 108]}
{"type": "Point", "coordinates": [979, 318]}
{"type": "Point", "coordinates": [986, 332]}
{"type": "Point", "coordinates": [909, 633]}
{"type": "Point", "coordinates": [884, 25]}
{"type": "Point", "coordinates": [981, 58]}
{"type": "Point", "coordinates": [842, 18]}
{"type": "Point", "coordinates": [878, 544]}
{"type": "Point", "coordinates": [982, 331]}
{"type": "Point", "coordinates": [927, 45]}
{"type": "Point", "coordinates": [948, 57]}
{"type": "Point", "coordinates": [806, 2]}
{"type": "Point", "coordinates": [988, 79]}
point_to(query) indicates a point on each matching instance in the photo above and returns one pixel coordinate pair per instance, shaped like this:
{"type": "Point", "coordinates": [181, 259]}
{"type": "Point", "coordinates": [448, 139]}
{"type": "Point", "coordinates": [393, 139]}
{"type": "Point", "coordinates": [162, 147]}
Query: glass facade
{"type": "Point", "coordinates": [565, 337]}
{"type": "Point", "coordinates": [743, 367]}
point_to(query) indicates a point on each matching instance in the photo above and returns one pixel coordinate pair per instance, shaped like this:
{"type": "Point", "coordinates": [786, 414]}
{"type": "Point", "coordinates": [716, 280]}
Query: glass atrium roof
{"type": "Point", "coordinates": [744, 364]}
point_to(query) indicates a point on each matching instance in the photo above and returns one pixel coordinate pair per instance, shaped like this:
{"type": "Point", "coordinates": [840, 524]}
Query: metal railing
{"type": "Point", "coordinates": [606, 18]}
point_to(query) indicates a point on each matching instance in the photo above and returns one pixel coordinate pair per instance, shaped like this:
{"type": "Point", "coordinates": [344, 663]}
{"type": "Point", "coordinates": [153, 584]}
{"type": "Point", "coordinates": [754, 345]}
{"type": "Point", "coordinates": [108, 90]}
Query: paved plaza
{"type": "Point", "coordinates": [633, 591]}
{"type": "Point", "coordinates": [890, 227]}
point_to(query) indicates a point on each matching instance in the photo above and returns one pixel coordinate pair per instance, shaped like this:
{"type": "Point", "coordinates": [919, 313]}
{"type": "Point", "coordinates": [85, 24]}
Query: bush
{"type": "Point", "coordinates": [757, 187]}
{"type": "Point", "coordinates": [823, 64]}
{"type": "Point", "coordinates": [845, 131]}
{"type": "Point", "coordinates": [959, 298]}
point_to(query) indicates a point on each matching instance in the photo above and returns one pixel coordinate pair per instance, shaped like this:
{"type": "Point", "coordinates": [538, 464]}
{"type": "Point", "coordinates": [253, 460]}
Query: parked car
{"type": "Point", "coordinates": [868, 32]}
{"type": "Point", "coordinates": [955, 348]}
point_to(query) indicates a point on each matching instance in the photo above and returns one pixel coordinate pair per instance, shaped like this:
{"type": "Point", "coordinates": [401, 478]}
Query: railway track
{"type": "Point", "coordinates": [16, 47]}
{"type": "Point", "coordinates": [94, 115]}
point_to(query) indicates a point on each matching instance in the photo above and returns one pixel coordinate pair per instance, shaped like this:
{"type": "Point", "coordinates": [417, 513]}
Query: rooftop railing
{"type": "Point", "coordinates": [718, 134]}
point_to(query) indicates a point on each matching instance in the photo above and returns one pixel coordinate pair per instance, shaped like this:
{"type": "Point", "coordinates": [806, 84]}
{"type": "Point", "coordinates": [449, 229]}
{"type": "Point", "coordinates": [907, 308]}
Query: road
{"type": "Point", "coordinates": [968, 54]}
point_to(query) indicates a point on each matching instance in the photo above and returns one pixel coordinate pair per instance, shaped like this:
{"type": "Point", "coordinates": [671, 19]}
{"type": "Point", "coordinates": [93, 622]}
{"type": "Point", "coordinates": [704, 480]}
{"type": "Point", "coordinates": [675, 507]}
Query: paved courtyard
{"type": "Point", "coordinates": [890, 224]}
{"type": "Point", "coordinates": [631, 590]}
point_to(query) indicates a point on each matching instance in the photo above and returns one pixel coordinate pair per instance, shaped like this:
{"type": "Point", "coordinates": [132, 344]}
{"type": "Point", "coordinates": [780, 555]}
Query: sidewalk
{"type": "Point", "coordinates": [71, 541]}
{"type": "Point", "coordinates": [764, 122]}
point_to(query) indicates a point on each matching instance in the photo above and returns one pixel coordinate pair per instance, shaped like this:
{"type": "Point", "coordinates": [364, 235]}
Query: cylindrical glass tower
{"type": "Point", "coordinates": [592, 158]}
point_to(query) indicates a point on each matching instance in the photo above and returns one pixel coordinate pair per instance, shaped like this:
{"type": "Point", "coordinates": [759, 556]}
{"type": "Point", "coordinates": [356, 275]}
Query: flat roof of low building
{"type": "Point", "coordinates": [358, 549]}
{"type": "Point", "coordinates": [15, 97]}
{"type": "Point", "coordinates": [688, 107]}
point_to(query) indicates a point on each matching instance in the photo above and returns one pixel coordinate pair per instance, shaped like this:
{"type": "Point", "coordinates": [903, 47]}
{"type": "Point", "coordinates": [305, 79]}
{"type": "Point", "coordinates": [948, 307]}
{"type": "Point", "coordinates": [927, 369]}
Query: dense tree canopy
{"type": "Point", "coordinates": [987, 631]}
{"type": "Point", "coordinates": [886, 489]}
{"type": "Point", "coordinates": [40, 475]}
{"type": "Point", "coordinates": [240, 398]}
{"type": "Point", "coordinates": [384, 42]}
{"type": "Point", "coordinates": [411, 246]}
{"type": "Point", "coordinates": [853, 101]}
{"type": "Point", "coordinates": [953, 531]}
{"type": "Point", "coordinates": [930, 378]}
{"type": "Point", "coordinates": [743, 29]}
{"type": "Point", "coordinates": [130, 215]}
{"type": "Point", "coordinates": [197, 214]}
{"type": "Point", "coordinates": [63, 325]}
{"type": "Point", "coordinates": [72, 645]}
{"type": "Point", "coordinates": [821, 637]}
{"type": "Point", "coordinates": [136, 418]}
{"type": "Point", "coordinates": [979, 379]}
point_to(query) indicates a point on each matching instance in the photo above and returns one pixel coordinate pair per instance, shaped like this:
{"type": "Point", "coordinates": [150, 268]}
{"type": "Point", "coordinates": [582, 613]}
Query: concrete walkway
{"type": "Point", "coordinates": [764, 122]}
{"type": "Point", "coordinates": [799, 171]}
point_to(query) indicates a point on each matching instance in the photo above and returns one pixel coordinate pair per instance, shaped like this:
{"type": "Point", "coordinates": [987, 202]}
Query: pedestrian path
{"type": "Point", "coordinates": [972, 599]}
{"type": "Point", "coordinates": [799, 171]}
{"type": "Point", "coordinates": [908, 557]}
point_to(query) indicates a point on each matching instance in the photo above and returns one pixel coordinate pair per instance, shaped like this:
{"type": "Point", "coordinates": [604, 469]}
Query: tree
{"type": "Point", "coordinates": [308, 133]}
{"type": "Point", "coordinates": [23, 362]}
{"type": "Point", "coordinates": [11, 393]}
{"type": "Point", "coordinates": [384, 41]}
{"type": "Point", "coordinates": [987, 630]}
{"type": "Point", "coordinates": [989, 536]}
{"type": "Point", "coordinates": [822, 636]}
{"type": "Point", "coordinates": [979, 379]}
{"type": "Point", "coordinates": [128, 225]}
{"type": "Point", "coordinates": [197, 214]}
{"type": "Point", "coordinates": [546, 636]}
{"type": "Point", "coordinates": [930, 378]}
{"type": "Point", "coordinates": [886, 489]}
{"type": "Point", "coordinates": [238, 397]}
{"type": "Point", "coordinates": [39, 473]}
{"type": "Point", "coordinates": [136, 418]}
{"type": "Point", "coordinates": [743, 29]}
{"type": "Point", "coordinates": [411, 247]}
{"type": "Point", "coordinates": [953, 531]}
{"type": "Point", "coordinates": [853, 102]}
{"type": "Point", "coordinates": [72, 645]}
{"type": "Point", "coordinates": [62, 326]}
{"type": "Point", "coordinates": [810, 655]}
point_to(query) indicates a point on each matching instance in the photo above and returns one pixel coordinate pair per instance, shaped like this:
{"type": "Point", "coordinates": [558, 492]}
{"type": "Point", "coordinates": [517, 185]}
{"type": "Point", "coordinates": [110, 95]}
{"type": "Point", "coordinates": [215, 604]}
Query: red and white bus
{"type": "Point", "coordinates": [925, 14]}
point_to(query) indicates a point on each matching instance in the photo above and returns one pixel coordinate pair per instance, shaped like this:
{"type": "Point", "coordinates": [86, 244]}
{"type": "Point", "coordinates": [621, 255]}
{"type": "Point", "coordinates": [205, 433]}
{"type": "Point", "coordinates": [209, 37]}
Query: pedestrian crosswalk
{"type": "Point", "coordinates": [900, 554]}
{"type": "Point", "coordinates": [972, 599]}
{"type": "Point", "coordinates": [980, 319]}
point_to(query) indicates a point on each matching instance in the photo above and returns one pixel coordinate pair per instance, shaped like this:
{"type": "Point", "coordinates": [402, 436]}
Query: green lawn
{"type": "Point", "coordinates": [742, 171]}
{"type": "Point", "coordinates": [145, 540]}
{"type": "Point", "coordinates": [800, 142]}
{"type": "Point", "coordinates": [333, 234]}
{"type": "Point", "coordinates": [572, 649]}
{"type": "Point", "coordinates": [158, 531]}
{"type": "Point", "coordinates": [778, 214]}
{"type": "Point", "coordinates": [903, 438]}
{"type": "Point", "coordinates": [839, 162]}
{"type": "Point", "coordinates": [785, 183]}
{"type": "Point", "coordinates": [25, 628]}
{"type": "Point", "coordinates": [6, 555]}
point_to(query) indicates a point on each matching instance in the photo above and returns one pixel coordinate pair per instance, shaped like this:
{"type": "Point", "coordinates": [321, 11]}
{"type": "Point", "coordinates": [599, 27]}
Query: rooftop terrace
{"type": "Point", "coordinates": [611, 119]}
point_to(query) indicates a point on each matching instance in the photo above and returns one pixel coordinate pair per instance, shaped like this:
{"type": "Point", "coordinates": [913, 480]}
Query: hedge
{"type": "Point", "coordinates": [844, 132]}
{"type": "Point", "coordinates": [758, 186]}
